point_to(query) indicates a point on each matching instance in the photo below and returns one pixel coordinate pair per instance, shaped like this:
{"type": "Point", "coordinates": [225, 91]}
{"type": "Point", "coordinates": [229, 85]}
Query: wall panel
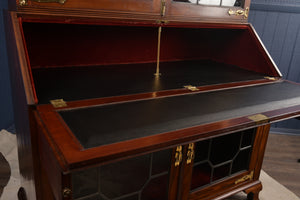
{"type": "Point", "coordinates": [278, 23]}
{"type": "Point", "coordinates": [6, 110]}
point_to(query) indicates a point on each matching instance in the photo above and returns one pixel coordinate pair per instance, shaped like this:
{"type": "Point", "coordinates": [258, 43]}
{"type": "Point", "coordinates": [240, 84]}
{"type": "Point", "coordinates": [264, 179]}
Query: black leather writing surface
{"type": "Point", "coordinates": [100, 125]}
{"type": "Point", "coordinates": [78, 83]}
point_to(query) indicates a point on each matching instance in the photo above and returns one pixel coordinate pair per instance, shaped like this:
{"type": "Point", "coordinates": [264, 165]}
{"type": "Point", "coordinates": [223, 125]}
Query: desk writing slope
{"type": "Point", "coordinates": [102, 125]}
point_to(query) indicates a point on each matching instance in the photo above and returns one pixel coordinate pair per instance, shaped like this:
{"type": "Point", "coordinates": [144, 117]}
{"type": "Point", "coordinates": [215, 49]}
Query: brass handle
{"type": "Point", "coordinates": [178, 156]}
{"type": "Point", "coordinates": [190, 153]}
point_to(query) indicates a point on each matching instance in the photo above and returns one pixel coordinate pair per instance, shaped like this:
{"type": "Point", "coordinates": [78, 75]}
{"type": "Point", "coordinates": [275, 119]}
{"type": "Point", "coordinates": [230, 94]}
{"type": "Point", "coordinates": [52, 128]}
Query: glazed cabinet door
{"type": "Point", "coordinates": [222, 164]}
{"type": "Point", "coordinates": [208, 10]}
{"type": "Point", "coordinates": [146, 177]}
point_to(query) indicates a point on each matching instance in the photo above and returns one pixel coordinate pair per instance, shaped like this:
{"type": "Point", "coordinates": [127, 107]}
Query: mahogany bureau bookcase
{"type": "Point", "coordinates": [141, 99]}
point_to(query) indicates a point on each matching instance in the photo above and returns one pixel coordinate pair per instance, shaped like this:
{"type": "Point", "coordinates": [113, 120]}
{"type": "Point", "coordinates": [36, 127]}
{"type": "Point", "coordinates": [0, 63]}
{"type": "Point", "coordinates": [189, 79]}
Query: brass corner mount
{"type": "Point", "coordinates": [244, 13]}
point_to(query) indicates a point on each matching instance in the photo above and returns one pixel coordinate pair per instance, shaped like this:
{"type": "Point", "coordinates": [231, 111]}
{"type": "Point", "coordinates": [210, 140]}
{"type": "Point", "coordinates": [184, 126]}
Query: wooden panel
{"type": "Point", "coordinates": [177, 11]}
{"type": "Point", "coordinates": [151, 7]}
{"type": "Point", "coordinates": [88, 45]}
{"type": "Point", "coordinates": [21, 98]}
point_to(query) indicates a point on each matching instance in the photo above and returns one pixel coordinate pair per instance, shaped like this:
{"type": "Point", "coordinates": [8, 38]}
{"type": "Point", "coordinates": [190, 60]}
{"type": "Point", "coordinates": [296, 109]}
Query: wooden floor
{"type": "Point", "coordinates": [281, 160]}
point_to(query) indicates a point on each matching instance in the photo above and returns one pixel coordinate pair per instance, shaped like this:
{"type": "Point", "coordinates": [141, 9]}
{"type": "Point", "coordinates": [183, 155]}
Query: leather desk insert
{"type": "Point", "coordinates": [102, 125]}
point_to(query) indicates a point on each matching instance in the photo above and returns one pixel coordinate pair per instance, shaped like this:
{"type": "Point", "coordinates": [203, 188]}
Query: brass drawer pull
{"type": "Point", "coordinates": [178, 156]}
{"type": "Point", "coordinates": [190, 153]}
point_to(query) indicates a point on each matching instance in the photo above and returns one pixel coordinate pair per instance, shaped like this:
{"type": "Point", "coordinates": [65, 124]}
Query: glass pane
{"type": "Point", "coordinates": [224, 148]}
{"type": "Point", "coordinates": [201, 151]}
{"type": "Point", "coordinates": [157, 165]}
{"type": "Point", "coordinates": [241, 162]}
{"type": "Point", "coordinates": [124, 177]}
{"type": "Point", "coordinates": [238, 3]}
{"type": "Point", "coordinates": [90, 180]}
{"type": "Point", "coordinates": [221, 157]}
{"type": "Point", "coordinates": [94, 197]}
{"type": "Point", "coordinates": [210, 2]}
{"type": "Point", "coordinates": [156, 189]}
{"type": "Point", "coordinates": [201, 175]}
{"type": "Point", "coordinates": [247, 138]}
{"type": "Point", "coordinates": [140, 178]}
{"type": "Point", "coordinates": [221, 172]}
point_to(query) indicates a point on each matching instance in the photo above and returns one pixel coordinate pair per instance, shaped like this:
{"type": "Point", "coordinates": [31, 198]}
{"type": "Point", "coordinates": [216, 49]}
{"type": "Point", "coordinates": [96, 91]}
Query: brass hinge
{"type": "Point", "coordinates": [25, 2]}
{"type": "Point", "coordinates": [190, 153]}
{"type": "Point", "coordinates": [259, 118]}
{"type": "Point", "coordinates": [58, 103]}
{"type": "Point", "coordinates": [245, 178]}
{"type": "Point", "coordinates": [178, 155]}
{"type": "Point", "coordinates": [163, 8]}
{"type": "Point", "coordinates": [271, 78]}
{"type": "Point", "coordinates": [162, 22]}
{"type": "Point", "coordinates": [244, 13]}
{"type": "Point", "coordinates": [191, 88]}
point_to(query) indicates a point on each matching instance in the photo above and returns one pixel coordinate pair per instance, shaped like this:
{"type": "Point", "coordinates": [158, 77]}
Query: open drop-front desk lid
{"type": "Point", "coordinates": [106, 81]}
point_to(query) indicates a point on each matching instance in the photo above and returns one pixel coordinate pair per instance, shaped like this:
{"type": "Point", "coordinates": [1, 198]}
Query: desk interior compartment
{"type": "Point", "coordinates": [86, 61]}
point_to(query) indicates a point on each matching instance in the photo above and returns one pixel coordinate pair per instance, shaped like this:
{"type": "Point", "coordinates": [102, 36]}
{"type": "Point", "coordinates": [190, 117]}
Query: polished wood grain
{"type": "Point", "coordinates": [174, 178]}
{"type": "Point", "coordinates": [262, 132]}
{"type": "Point", "coordinates": [281, 160]}
{"type": "Point", "coordinates": [128, 6]}
{"type": "Point", "coordinates": [53, 179]}
{"type": "Point", "coordinates": [176, 11]}
{"type": "Point", "coordinates": [185, 175]}
{"type": "Point", "coordinates": [22, 97]}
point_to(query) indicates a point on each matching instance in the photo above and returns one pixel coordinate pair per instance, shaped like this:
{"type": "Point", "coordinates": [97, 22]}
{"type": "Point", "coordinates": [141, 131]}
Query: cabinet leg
{"type": "Point", "coordinates": [252, 196]}
{"type": "Point", "coordinates": [22, 194]}
{"type": "Point", "coordinates": [253, 192]}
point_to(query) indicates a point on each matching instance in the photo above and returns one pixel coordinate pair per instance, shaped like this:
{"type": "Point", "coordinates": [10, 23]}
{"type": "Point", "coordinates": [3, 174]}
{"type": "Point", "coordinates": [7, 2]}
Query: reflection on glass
{"type": "Point", "coordinates": [238, 3]}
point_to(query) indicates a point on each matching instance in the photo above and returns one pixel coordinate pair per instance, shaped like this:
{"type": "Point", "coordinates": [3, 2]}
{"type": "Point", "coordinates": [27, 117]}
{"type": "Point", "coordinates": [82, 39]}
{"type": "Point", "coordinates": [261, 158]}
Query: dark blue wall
{"type": "Point", "coordinates": [278, 23]}
{"type": "Point", "coordinates": [6, 113]}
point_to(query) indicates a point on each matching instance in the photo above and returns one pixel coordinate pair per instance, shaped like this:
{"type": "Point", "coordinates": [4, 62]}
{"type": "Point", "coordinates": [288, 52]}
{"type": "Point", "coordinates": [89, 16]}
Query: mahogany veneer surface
{"type": "Point", "coordinates": [101, 125]}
